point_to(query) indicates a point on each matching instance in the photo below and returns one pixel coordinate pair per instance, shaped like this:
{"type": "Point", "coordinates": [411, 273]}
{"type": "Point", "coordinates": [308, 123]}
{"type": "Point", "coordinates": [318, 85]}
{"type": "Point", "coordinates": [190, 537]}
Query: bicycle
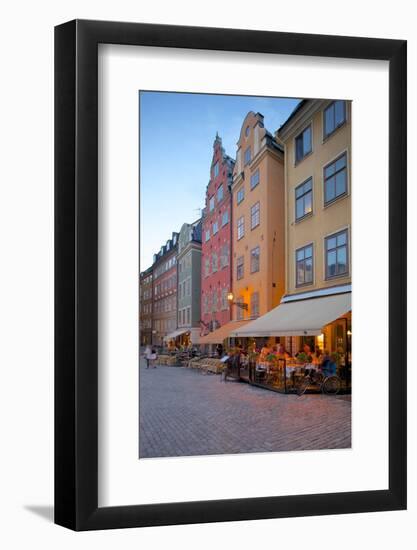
{"type": "Point", "coordinates": [330, 385]}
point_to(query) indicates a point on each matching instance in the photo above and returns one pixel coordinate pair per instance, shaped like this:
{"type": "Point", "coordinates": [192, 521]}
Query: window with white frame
{"type": "Point", "coordinates": [240, 195]}
{"type": "Point", "coordinates": [247, 156]}
{"type": "Point", "coordinates": [240, 311]}
{"type": "Point", "coordinates": [211, 203]}
{"type": "Point", "coordinates": [255, 215]}
{"type": "Point", "coordinates": [255, 255]}
{"type": "Point", "coordinates": [225, 218]}
{"type": "Point", "coordinates": [254, 179]}
{"type": "Point", "coordinates": [214, 265]}
{"type": "Point", "coordinates": [240, 267]}
{"type": "Point", "coordinates": [240, 227]}
{"type": "Point", "coordinates": [220, 193]}
{"type": "Point", "coordinates": [254, 304]}
{"type": "Point", "coordinates": [207, 235]}
{"type": "Point", "coordinates": [215, 227]}
{"type": "Point", "coordinates": [225, 304]}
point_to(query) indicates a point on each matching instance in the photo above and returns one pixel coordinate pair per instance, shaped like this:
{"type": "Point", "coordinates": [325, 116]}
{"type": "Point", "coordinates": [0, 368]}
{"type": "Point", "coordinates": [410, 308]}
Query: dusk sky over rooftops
{"type": "Point", "coordinates": [177, 131]}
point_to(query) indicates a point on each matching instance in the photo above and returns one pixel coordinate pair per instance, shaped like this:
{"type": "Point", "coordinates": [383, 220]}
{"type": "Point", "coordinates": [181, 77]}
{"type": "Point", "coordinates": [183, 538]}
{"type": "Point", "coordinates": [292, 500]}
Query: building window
{"type": "Point", "coordinates": [304, 265]}
{"type": "Point", "coordinates": [214, 263]}
{"type": "Point", "coordinates": [240, 310]}
{"type": "Point", "coordinates": [303, 144]}
{"type": "Point", "coordinates": [255, 215]}
{"type": "Point", "coordinates": [335, 179]}
{"type": "Point", "coordinates": [215, 227]}
{"type": "Point", "coordinates": [216, 170]}
{"type": "Point", "coordinates": [254, 179]}
{"type": "Point", "coordinates": [304, 199]}
{"type": "Point", "coordinates": [247, 130]}
{"type": "Point", "coordinates": [225, 218]}
{"type": "Point", "coordinates": [254, 259]}
{"type": "Point", "coordinates": [224, 256]}
{"type": "Point", "coordinates": [214, 301]}
{"type": "Point", "coordinates": [188, 315]}
{"type": "Point", "coordinates": [207, 266]}
{"type": "Point", "coordinates": [240, 268]}
{"type": "Point", "coordinates": [211, 203]}
{"type": "Point", "coordinates": [225, 304]}
{"type": "Point", "coordinates": [334, 116]}
{"type": "Point", "coordinates": [247, 156]}
{"type": "Point", "coordinates": [337, 254]}
{"type": "Point", "coordinates": [240, 195]}
{"type": "Point", "coordinates": [240, 227]}
{"type": "Point", "coordinates": [220, 193]}
{"type": "Point", "coordinates": [207, 235]}
{"type": "Point", "coordinates": [205, 304]}
{"type": "Point", "coordinates": [254, 304]}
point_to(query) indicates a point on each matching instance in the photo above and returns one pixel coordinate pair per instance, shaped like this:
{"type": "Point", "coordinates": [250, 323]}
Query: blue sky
{"type": "Point", "coordinates": [177, 131]}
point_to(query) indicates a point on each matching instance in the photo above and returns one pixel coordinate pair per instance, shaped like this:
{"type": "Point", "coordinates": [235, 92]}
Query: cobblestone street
{"type": "Point", "coordinates": [184, 413]}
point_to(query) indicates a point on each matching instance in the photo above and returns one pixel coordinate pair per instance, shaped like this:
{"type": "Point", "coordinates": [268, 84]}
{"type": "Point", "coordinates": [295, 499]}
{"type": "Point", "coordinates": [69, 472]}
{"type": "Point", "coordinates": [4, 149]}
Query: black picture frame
{"type": "Point", "coordinates": [76, 272]}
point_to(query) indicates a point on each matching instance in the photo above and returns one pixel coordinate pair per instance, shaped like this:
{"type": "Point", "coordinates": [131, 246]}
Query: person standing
{"type": "Point", "coordinates": [147, 355]}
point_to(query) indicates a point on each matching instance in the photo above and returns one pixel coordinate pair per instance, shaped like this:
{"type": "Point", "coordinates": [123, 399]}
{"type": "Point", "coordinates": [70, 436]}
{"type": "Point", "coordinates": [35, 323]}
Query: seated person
{"type": "Point", "coordinates": [328, 366]}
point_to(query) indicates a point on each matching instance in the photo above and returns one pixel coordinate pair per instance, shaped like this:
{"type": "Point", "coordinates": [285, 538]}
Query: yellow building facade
{"type": "Point", "coordinates": [258, 242]}
{"type": "Point", "coordinates": [317, 143]}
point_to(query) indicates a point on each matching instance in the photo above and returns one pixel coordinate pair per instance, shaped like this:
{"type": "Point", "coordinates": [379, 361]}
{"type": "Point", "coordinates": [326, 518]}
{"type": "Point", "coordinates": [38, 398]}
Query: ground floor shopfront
{"type": "Point", "coordinates": [295, 338]}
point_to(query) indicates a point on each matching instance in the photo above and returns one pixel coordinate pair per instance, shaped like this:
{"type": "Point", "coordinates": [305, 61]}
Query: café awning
{"type": "Point", "coordinates": [298, 318]}
{"type": "Point", "coordinates": [175, 333]}
{"type": "Point", "coordinates": [217, 336]}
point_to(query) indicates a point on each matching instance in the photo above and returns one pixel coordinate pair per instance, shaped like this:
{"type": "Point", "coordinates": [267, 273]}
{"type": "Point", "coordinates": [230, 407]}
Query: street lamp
{"type": "Point", "coordinates": [230, 298]}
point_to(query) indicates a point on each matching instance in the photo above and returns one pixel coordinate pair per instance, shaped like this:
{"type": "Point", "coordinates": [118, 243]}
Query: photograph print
{"type": "Point", "coordinates": [245, 316]}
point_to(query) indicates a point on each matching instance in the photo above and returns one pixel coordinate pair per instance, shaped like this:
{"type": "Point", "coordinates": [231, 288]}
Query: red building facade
{"type": "Point", "coordinates": [216, 257]}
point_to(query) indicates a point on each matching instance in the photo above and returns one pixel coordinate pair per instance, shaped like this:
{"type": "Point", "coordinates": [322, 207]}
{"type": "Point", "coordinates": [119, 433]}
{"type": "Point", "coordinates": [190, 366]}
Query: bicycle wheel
{"type": "Point", "coordinates": [302, 385]}
{"type": "Point", "coordinates": [331, 385]}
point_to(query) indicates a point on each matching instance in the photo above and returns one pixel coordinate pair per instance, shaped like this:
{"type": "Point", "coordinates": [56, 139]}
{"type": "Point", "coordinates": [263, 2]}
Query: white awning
{"type": "Point", "coordinates": [300, 318]}
{"type": "Point", "coordinates": [175, 333]}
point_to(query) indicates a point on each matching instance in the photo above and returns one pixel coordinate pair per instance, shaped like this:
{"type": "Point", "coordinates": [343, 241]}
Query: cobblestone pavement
{"type": "Point", "coordinates": [184, 413]}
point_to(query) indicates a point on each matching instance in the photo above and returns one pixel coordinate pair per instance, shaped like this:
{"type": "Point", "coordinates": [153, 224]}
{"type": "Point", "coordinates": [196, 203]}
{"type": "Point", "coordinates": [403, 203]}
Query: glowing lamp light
{"type": "Point", "coordinates": [349, 333]}
{"type": "Point", "coordinates": [230, 296]}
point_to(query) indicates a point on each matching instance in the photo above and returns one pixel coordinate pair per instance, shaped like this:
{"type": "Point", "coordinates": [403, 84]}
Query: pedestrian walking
{"type": "Point", "coordinates": [153, 357]}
